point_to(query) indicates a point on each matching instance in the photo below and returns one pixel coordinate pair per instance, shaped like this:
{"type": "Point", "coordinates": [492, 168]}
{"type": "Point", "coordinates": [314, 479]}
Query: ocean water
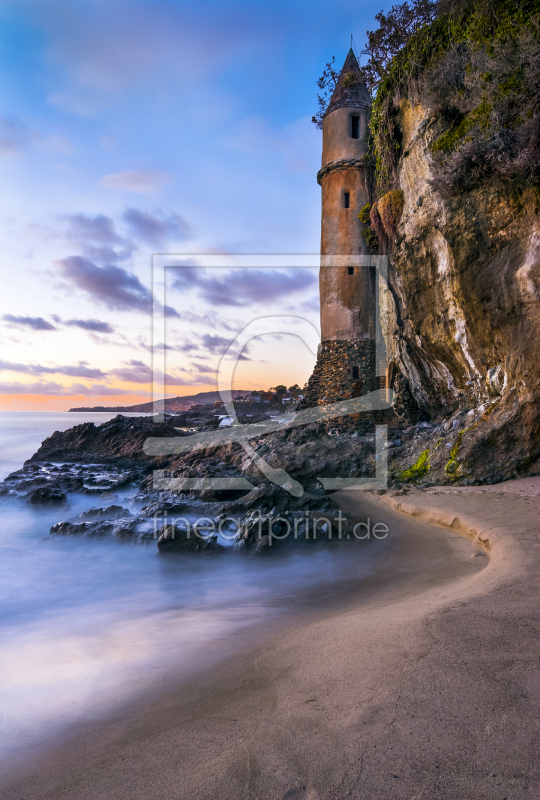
{"type": "Point", "coordinates": [85, 625]}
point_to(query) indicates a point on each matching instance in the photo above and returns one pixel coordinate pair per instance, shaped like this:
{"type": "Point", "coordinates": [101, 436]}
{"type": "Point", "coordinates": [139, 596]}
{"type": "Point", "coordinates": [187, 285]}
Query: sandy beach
{"type": "Point", "coordinates": [420, 682]}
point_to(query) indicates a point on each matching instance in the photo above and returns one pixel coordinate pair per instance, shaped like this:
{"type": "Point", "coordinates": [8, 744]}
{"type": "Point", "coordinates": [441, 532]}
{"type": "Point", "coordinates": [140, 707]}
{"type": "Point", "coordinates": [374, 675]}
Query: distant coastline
{"type": "Point", "coordinates": [171, 404]}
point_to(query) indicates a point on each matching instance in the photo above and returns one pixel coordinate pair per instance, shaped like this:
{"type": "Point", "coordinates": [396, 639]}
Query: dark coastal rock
{"type": "Point", "coordinates": [269, 495]}
{"type": "Point", "coordinates": [82, 528]}
{"type": "Point", "coordinates": [86, 479]}
{"type": "Point", "coordinates": [70, 483]}
{"type": "Point", "coordinates": [253, 536]}
{"type": "Point", "coordinates": [110, 512]}
{"type": "Point", "coordinates": [47, 496]}
{"type": "Point", "coordinates": [169, 505]}
{"type": "Point", "coordinates": [263, 532]}
{"type": "Point", "coordinates": [126, 528]}
{"type": "Point", "coordinates": [176, 539]}
{"type": "Point", "coordinates": [33, 483]}
{"type": "Point", "coordinates": [118, 440]}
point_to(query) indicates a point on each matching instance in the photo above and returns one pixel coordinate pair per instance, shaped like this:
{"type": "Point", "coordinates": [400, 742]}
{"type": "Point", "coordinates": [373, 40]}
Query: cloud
{"type": "Point", "coordinates": [139, 372]}
{"type": "Point", "coordinates": [100, 390]}
{"type": "Point", "coordinates": [52, 388]}
{"type": "Point", "coordinates": [36, 323]}
{"type": "Point", "coordinates": [244, 286]}
{"type": "Point", "coordinates": [142, 182]}
{"type": "Point", "coordinates": [99, 229]}
{"type": "Point", "coordinates": [159, 346]}
{"type": "Point", "coordinates": [14, 135]}
{"type": "Point", "coordinates": [98, 240]}
{"type": "Point", "coordinates": [188, 347]}
{"type": "Point", "coordinates": [170, 311]}
{"type": "Point", "coordinates": [175, 380]}
{"type": "Point", "coordinates": [202, 368]}
{"type": "Point", "coordinates": [96, 237]}
{"type": "Point", "coordinates": [134, 372]}
{"type": "Point", "coordinates": [114, 286]}
{"type": "Point", "coordinates": [76, 371]}
{"type": "Point", "coordinates": [94, 325]}
{"type": "Point", "coordinates": [38, 387]}
{"type": "Point", "coordinates": [214, 343]}
{"type": "Point", "coordinates": [155, 228]}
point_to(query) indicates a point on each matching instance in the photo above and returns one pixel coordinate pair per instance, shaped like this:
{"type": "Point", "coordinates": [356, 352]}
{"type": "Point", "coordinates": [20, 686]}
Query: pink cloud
{"type": "Point", "coordinates": [140, 181]}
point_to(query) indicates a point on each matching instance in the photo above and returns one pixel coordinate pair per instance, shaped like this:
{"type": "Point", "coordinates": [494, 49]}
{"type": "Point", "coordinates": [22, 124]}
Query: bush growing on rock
{"type": "Point", "coordinates": [363, 214]}
{"type": "Point", "coordinates": [372, 240]}
{"type": "Point", "coordinates": [390, 208]}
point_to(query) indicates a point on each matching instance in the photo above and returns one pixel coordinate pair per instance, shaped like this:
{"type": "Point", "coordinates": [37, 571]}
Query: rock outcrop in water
{"type": "Point", "coordinates": [120, 439]}
{"type": "Point", "coordinates": [47, 496]}
{"type": "Point", "coordinates": [177, 539]}
{"type": "Point", "coordinates": [112, 521]}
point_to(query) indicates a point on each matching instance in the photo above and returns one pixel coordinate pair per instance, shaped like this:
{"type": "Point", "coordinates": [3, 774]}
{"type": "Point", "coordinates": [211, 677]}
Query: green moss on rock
{"type": "Point", "coordinates": [452, 466]}
{"type": "Point", "coordinates": [479, 117]}
{"type": "Point", "coordinates": [418, 470]}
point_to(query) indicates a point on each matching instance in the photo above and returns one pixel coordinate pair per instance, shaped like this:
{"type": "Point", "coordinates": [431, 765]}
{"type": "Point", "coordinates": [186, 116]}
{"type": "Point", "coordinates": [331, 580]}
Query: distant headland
{"type": "Point", "coordinates": [171, 403]}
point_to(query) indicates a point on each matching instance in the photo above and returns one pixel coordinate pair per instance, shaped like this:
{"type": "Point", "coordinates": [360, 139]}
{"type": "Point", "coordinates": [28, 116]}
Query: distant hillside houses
{"type": "Point", "coordinates": [276, 396]}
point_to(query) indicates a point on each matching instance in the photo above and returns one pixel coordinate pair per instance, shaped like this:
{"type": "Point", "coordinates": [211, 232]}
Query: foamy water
{"type": "Point", "coordinates": [86, 624]}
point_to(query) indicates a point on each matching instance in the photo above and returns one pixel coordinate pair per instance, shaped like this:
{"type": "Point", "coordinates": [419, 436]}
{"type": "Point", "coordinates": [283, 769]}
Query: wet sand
{"type": "Point", "coordinates": [417, 683]}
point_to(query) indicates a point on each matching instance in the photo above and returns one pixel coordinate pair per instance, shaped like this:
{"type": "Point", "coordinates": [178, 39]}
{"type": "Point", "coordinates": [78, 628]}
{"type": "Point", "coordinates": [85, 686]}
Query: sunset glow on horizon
{"type": "Point", "coordinates": [129, 129]}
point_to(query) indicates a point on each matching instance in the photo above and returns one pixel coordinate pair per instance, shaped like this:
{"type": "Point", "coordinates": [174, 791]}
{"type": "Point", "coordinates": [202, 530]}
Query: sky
{"type": "Point", "coordinates": [130, 128]}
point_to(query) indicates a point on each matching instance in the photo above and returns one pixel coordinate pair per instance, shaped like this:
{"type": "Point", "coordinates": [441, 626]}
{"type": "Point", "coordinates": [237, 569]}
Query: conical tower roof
{"type": "Point", "coordinates": [350, 91]}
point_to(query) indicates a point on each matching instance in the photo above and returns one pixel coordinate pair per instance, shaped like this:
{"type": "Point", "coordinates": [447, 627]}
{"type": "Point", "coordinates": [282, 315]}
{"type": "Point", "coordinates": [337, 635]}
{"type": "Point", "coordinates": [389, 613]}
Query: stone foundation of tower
{"type": "Point", "coordinates": [345, 368]}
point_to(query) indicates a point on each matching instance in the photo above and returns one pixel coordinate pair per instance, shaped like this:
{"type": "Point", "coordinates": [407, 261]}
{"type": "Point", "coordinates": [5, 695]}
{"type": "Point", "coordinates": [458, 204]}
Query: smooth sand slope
{"type": "Point", "coordinates": [420, 683]}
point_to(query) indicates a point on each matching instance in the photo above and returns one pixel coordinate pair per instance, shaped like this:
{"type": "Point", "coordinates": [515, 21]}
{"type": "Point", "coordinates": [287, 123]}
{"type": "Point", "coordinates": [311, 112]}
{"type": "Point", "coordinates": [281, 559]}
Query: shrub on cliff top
{"type": "Point", "coordinates": [395, 28]}
{"type": "Point", "coordinates": [489, 97]}
{"type": "Point", "coordinates": [390, 208]}
{"type": "Point", "coordinates": [478, 65]}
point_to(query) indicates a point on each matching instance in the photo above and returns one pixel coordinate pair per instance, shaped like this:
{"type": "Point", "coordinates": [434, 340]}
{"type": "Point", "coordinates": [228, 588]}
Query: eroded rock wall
{"type": "Point", "coordinates": [463, 321]}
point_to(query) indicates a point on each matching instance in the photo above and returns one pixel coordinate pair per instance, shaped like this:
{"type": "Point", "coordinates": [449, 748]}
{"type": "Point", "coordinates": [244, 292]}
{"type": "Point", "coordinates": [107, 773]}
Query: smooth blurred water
{"type": "Point", "coordinates": [22, 432]}
{"type": "Point", "coordinates": [85, 624]}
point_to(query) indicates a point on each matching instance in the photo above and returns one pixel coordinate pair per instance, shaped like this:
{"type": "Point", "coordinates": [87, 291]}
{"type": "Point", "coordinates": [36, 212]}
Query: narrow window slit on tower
{"type": "Point", "coordinates": [355, 373]}
{"type": "Point", "coordinates": [346, 200]}
{"type": "Point", "coordinates": [351, 270]}
{"type": "Point", "coordinates": [355, 127]}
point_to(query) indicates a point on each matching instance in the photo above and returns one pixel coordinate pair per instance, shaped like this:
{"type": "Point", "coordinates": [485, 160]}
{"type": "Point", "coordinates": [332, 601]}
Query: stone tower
{"type": "Point", "coordinates": [346, 361]}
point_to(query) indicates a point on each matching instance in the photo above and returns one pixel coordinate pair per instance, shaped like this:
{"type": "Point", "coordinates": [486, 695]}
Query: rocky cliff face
{"type": "Point", "coordinates": [463, 321]}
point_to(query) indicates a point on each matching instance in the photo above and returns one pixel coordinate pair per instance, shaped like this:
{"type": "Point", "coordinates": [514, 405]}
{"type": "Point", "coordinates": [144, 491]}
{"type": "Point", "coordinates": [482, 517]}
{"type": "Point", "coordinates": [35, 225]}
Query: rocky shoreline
{"type": "Point", "coordinates": [108, 461]}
